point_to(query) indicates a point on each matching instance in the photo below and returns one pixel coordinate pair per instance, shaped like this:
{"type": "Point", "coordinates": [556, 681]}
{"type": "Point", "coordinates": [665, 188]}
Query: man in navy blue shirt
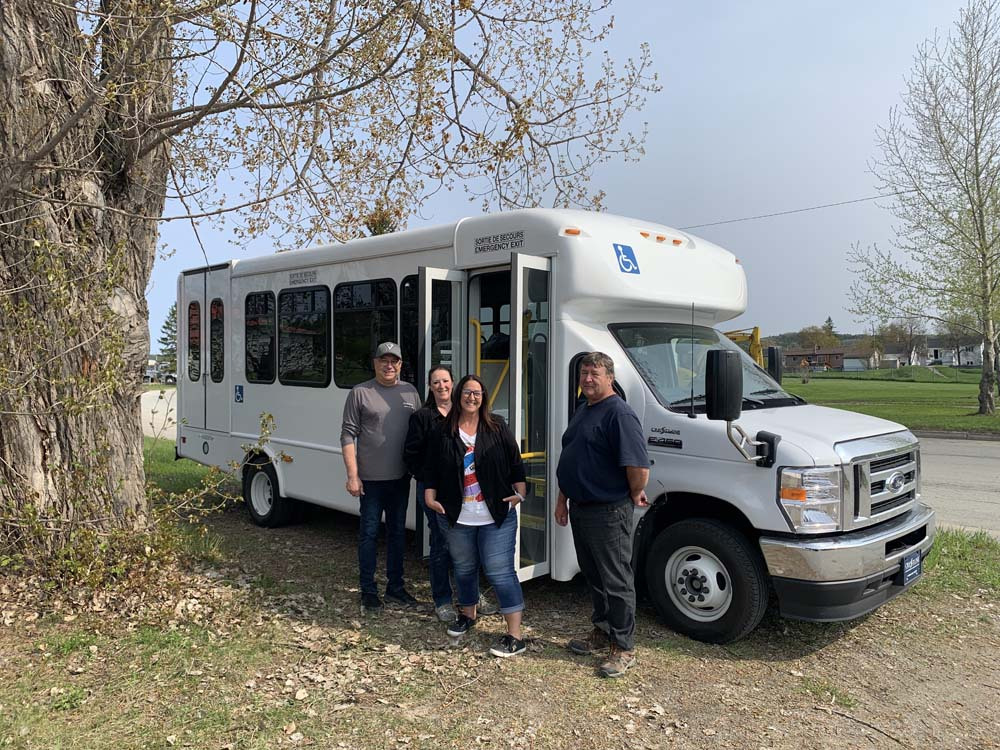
{"type": "Point", "coordinates": [602, 474]}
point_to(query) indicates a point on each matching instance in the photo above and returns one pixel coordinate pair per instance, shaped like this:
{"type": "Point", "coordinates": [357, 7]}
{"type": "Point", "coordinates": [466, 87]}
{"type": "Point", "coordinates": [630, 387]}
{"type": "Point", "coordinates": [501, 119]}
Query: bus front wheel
{"type": "Point", "coordinates": [707, 580]}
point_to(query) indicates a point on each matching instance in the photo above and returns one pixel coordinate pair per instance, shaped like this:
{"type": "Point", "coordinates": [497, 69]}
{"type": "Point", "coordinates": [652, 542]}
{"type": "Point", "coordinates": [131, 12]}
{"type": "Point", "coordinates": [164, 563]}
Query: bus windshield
{"type": "Point", "coordinates": [671, 359]}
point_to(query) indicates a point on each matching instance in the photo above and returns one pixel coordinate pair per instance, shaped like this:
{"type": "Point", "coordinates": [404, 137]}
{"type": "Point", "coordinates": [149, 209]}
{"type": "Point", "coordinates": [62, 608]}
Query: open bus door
{"type": "Point", "coordinates": [531, 331]}
{"type": "Point", "coordinates": [441, 335]}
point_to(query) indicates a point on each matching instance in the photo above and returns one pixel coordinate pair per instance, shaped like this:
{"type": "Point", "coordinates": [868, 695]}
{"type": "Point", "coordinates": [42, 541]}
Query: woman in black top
{"type": "Point", "coordinates": [475, 481]}
{"type": "Point", "coordinates": [423, 422]}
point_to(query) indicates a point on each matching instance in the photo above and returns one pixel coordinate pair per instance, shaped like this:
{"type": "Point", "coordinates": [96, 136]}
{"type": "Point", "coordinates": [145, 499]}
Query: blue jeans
{"type": "Point", "coordinates": [438, 559]}
{"type": "Point", "coordinates": [491, 547]}
{"type": "Point", "coordinates": [391, 497]}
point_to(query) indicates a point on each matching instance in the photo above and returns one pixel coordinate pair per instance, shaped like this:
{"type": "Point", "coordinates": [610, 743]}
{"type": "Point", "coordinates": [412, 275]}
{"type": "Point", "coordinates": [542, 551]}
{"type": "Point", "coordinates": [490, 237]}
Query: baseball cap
{"type": "Point", "coordinates": [388, 349]}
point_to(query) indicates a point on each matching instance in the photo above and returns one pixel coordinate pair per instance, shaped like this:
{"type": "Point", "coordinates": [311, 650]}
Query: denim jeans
{"type": "Point", "coordinates": [602, 536]}
{"type": "Point", "coordinates": [491, 547]}
{"type": "Point", "coordinates": [390, 497]}
{"type": "Point", "coordinates": [438, 559]}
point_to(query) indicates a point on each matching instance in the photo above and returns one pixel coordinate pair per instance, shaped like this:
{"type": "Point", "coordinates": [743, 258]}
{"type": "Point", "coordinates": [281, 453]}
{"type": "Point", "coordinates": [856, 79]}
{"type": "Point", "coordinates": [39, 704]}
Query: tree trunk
{"type": "Point", "coordinates": [987, 404]}
{"type": "Point", "coordinates": [74, 264]}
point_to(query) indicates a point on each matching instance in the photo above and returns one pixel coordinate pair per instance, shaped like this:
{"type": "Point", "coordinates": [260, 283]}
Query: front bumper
{"type": "Point", "coordinates": [842, 577]}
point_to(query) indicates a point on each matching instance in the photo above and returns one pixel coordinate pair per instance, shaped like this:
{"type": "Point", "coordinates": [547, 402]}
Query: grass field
{"type": "Point", "coordinates": [914, 374]}
{"type": "Point", "coordinates": [919, 404]}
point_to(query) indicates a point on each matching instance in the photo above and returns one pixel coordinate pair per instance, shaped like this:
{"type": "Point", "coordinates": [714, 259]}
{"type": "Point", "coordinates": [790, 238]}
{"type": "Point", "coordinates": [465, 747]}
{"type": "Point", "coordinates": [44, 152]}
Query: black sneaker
{"type": "Point", "coordinates": [401, 599]}
{"type": "Point", "coordinates": [461, 626]}
{"type": "Point", "coordinates": [371, 602]}
{"type": "Point", "coordinates": [508, 646]}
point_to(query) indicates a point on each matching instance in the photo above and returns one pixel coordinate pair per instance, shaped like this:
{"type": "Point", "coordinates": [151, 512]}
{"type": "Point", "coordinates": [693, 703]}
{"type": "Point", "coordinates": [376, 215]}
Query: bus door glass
{"type": "Point", "coordinates": [440, 341]}
{"type": "Point", "coordinates": [530, 326]}
{"type": "Point", "coordinates": [216, 374]}
{"type": "Point", "coordinates": [489, 336]}
{"type": "Point", "coordinates": [191, 370]}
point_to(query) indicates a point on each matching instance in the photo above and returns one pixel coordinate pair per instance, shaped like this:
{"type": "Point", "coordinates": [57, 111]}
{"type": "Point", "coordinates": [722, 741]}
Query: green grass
{"type": "Point", "coordinates": [914, 374]}
{"type": "Point", "coordinates": [827, 692]}
{"type": "Point", "coordinates": [168, 474]}
{"type": "Point", "coordinates": [918, 405]}
{"type": "Point", "coordinates": [66, 644]}
{"type": "Point", "coordinates": [963, 562]}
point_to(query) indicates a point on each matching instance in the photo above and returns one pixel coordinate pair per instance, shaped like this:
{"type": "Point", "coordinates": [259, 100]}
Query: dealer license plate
{"type": "Point", "coordinates": [912, 567]}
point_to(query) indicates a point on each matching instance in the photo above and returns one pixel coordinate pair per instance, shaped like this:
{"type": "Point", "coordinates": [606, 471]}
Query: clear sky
{"type": "Point", "coordinates": [766, 107]}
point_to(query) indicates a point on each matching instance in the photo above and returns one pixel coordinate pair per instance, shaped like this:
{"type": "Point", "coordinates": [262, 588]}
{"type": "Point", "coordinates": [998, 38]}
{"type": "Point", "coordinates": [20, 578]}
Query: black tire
{"type": "Point", "coordinates": [260, 492]}
{"type": "Point", "coordinates": [717, 562]}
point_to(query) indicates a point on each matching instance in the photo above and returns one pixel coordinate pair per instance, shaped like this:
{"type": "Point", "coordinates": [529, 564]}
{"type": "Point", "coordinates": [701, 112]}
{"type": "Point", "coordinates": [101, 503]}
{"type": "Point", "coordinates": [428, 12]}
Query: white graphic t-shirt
{"type": "Point", "coordinates": [474, 510]}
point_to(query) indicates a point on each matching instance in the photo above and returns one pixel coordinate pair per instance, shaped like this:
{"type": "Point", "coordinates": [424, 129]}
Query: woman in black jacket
{"type": "Point", "coordinates": [423, 423]}
{"type": "Point", "coordinates": [474, 481]}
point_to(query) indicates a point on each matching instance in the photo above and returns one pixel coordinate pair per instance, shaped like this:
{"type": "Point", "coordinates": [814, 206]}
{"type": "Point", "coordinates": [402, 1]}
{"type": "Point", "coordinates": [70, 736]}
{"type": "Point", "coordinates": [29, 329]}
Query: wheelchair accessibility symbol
{"type": "Point", "coordinates": [239, 394]}
{"type": "Point", "coordinates": [626, 259]}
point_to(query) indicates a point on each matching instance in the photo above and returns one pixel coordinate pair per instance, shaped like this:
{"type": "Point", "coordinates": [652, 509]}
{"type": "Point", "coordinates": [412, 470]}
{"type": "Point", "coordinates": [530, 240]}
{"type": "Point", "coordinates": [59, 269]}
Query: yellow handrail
{"type": "Point", "coordinates": [503, 373]}
{"type": "Point", "coordinates": [479, 343]}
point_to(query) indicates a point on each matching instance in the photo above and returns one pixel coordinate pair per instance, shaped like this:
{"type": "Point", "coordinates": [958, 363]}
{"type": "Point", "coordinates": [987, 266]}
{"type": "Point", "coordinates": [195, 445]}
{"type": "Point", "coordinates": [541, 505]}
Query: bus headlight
{"type": "Point", "coordinates": [811, 498]}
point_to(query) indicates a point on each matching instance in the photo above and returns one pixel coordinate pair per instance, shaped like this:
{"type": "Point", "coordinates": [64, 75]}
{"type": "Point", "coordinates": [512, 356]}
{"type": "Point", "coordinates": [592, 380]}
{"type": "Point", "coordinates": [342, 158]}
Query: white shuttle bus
{"type": "Point", "coordinates": [751, 489]}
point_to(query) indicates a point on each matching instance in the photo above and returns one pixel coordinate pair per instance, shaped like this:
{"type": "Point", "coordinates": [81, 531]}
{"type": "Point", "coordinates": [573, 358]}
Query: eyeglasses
{"type": "Point", "coordinates": [473, 394]}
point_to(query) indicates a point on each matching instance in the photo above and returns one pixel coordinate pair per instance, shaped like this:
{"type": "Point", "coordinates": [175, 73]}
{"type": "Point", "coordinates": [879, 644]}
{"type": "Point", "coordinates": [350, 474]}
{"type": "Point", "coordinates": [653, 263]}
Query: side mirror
{"type": "Point", "coordinates": [723, 385]}
{"type": "Point", "coordinates": [775, 363]}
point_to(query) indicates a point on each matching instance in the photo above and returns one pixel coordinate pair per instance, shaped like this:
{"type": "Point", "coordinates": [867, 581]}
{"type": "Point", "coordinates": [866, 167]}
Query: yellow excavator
{"type": "Point", "coordinates": [751, 335]}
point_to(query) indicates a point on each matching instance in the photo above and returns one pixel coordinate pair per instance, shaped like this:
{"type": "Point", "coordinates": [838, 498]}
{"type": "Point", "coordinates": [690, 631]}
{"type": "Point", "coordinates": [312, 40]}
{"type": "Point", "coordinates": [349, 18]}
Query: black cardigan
{"type": "Point", "coordinates": [498, 468]}
{"type": "Point", "coordinates": [422, 425]}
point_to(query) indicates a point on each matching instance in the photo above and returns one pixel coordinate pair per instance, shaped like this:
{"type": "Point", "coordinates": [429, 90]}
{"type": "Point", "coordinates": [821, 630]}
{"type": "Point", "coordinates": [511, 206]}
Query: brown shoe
{"type": "Point", "coordinates": [617, 663]}
{"type": "Point", "coordinates": [596, 641]}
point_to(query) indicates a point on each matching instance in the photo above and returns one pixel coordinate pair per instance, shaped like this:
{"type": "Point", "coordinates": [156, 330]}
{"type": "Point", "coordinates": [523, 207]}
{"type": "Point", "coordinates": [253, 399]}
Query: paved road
{"type": "Point", "coordinates": [962, 482]}
{"type": "Point", "coordinates": [159, 414]}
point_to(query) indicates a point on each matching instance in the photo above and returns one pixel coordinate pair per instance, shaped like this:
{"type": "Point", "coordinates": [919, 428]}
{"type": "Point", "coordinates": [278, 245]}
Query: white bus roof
{"type": "Point", "coordinates": [604, 258]}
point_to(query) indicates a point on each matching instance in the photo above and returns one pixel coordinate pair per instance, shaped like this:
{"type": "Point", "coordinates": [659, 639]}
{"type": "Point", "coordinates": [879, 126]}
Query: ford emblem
{"type": "Point", "coordinates": [895, 482]}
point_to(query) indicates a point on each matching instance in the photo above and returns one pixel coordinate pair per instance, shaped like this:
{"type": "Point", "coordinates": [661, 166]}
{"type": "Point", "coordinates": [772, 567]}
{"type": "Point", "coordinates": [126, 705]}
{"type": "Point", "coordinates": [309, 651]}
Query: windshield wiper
{"type": "Point", "coordinates": [754, 401]}
{"type": "Point", "coordinates": [766, 391]}
{"type": "Point", "coordinates": [688, 399]}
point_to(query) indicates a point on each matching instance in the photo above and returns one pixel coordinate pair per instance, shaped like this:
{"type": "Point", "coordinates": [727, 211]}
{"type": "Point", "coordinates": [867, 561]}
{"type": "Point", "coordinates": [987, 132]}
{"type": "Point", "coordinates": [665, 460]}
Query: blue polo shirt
{"type": "Point", "coordinates": [600, 441]}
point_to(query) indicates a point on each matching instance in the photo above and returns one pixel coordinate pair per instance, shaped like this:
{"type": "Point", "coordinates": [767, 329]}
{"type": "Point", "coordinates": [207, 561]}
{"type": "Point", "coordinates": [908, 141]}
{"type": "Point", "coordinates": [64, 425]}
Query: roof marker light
{"type": "Point", "coordinates": [644, 234]}
{"type": "Point", "coordinates": [660, 238]}
{"type": "Point", "coordinates": [571, 231]}
{"type": "Point", "coordinates": [678, 242]}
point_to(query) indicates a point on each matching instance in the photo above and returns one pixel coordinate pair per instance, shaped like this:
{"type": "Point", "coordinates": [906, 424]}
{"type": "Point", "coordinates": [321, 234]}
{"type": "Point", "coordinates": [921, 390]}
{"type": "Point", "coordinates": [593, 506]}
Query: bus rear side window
{"type": "Point", "coordinates": [304, 337]}
{"type": "Point", "coordinates": [259, 335]}
{"type": "Point", "coordinates": [194, 341]}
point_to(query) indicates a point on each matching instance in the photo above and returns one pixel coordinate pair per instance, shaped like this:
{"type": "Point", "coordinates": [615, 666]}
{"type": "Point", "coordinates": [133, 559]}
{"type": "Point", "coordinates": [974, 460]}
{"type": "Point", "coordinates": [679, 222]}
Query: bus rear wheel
{"type": "Point", "coordinates": [260, 491]}
{"type": "Point", "coordinates": [707, 580]}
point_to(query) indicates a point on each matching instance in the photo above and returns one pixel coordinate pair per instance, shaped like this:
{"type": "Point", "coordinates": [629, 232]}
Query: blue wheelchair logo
{"type": "Point", "coordinates": [239, 394]}
{"type": "Point", "coordinates": [626, 259]}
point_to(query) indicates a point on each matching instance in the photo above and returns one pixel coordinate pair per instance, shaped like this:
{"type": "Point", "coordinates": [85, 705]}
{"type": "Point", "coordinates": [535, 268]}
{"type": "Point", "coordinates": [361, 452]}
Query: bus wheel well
{"type": "Point", "coordinates": [671, 507]}
{"type": "Point", "coordinates": [255, 458]}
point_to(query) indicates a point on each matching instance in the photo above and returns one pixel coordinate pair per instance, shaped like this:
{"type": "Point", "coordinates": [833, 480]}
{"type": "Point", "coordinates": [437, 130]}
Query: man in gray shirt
{"type": "Point", "coordinates": [376, 418]}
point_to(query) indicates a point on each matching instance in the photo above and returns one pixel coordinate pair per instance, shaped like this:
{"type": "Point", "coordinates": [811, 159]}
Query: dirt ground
{"type": "Point", "coordinates": [273, 651]}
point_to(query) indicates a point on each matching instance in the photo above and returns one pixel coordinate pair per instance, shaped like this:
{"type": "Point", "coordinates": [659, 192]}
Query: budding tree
{"type": "Point", "coordinates": [940, 170]}
{"type": "Point", "coordinates": [301, 119]}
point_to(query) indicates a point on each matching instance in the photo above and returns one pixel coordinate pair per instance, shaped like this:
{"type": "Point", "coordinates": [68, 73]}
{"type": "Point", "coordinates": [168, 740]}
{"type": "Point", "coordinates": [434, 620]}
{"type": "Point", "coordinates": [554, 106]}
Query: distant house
{"type": "Point", "coordinates": [897, 355]}
{"type": "Point", "coordinates": [943, 351]}
{"type": "Point", "coordinates": [858, 360]}
{"type": "Point", "coordinates": [818, 359]}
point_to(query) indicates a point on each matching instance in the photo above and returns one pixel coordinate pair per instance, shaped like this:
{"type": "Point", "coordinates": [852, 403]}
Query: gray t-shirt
{"type": "Point", "coordinates": [376, 417]}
